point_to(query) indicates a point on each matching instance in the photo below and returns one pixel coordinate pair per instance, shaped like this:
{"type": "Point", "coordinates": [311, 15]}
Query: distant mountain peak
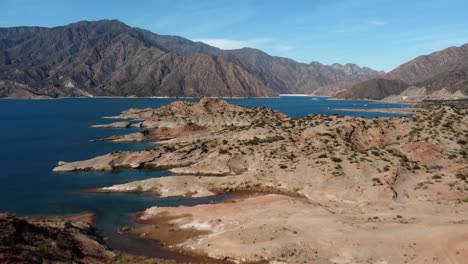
{"type": "Point", "coordinates": [114, 23]}
{"type": "Point", "coordinates": [315, 63]}
{"type": "Point", "coordinates": [354, 69]}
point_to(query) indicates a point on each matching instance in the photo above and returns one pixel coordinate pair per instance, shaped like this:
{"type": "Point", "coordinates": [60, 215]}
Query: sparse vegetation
{"type": "Point", "coordinates": [223, 151]}
{"type": "Point", "coordinates": [296, 189]}
{"type": "Point", "coordinates": [336, 159]}
{"type": "Point", "coordinates": [452, 156]}
{"type": "Point", "coordinates": [462, 177]}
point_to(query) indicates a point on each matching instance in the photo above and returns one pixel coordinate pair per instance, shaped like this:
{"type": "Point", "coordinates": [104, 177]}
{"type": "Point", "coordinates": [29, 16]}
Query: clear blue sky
{"type": "Point", "coordinates": [377, 33]}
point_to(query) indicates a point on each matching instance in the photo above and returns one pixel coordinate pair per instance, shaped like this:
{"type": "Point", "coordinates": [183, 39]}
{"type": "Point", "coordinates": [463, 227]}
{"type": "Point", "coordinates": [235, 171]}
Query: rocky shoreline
{"type": "Point", "coordinates": [51, 240]}
{"type": "Point", "coordinates": [329, 189]}
{"type": "Point", "coordinates": [71, 239]}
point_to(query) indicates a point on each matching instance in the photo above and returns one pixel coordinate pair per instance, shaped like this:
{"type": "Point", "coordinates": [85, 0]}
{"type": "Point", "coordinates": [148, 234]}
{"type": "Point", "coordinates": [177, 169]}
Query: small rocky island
{"type": "Point", "coordinates": [316, 189]}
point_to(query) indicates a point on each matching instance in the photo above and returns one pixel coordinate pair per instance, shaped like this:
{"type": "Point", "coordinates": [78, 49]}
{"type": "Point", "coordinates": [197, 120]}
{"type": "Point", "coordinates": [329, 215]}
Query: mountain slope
{"type": "Point", "coordinates": [112, 59]}
{"type": "Point", "coordinates": [441, 74]}
{"type": "Point", "coordinates": [288, 76]}
{"type": "Point", "coordinates": [374, 89]}
{"type": "Point", "coordinates": [446, 69]}
{"type": "Point", "coordinates": [281, 74]}
{"type": "Point", "coordinates": [428, 66]}
{"type": "Point", "coordinates": [451, 81]}
{"type": "Point", "coordinates": [180, 46]}
{"type": "Point", "coordinates": [109, 58]}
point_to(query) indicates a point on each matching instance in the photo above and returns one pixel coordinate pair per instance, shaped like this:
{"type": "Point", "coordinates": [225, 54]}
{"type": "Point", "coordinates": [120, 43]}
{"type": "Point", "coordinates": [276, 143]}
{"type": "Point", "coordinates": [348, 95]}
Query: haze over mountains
{"type": "Point", "coordinates": [109, 58]}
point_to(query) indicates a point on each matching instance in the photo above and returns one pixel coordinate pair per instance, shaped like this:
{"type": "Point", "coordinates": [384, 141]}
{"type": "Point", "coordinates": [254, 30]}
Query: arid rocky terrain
{"type": "Point", "coordinates": [51, 240]}
{"type": "Point", "coordinates": [316, 189]}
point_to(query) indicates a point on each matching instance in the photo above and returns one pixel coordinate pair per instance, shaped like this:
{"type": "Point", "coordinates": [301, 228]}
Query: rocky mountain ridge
{"type": "Point", "coordinates": [109, 58]}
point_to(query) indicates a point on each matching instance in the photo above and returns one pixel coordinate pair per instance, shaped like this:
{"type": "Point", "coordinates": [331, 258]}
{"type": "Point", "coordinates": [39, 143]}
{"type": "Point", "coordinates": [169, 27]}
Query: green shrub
{"type": "Point", "coordinates": [296, 189]}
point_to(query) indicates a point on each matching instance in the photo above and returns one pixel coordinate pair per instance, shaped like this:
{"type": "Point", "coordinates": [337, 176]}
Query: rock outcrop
{"type": "Point", "coordinates": [50, 240]}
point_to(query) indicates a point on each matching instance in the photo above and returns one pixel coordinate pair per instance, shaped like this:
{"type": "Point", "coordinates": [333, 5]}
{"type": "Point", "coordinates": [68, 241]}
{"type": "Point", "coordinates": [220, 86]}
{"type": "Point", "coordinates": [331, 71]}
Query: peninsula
{"type": "Point", "coordinates": [321, 189]}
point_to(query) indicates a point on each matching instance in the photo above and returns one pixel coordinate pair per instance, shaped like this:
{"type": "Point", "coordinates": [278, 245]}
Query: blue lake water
{"type": "Point", "coordinates": [36, 134]}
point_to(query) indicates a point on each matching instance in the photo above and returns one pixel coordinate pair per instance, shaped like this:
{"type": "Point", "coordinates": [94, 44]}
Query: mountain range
{"type": "Point", "coordinates": [109, 58]}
